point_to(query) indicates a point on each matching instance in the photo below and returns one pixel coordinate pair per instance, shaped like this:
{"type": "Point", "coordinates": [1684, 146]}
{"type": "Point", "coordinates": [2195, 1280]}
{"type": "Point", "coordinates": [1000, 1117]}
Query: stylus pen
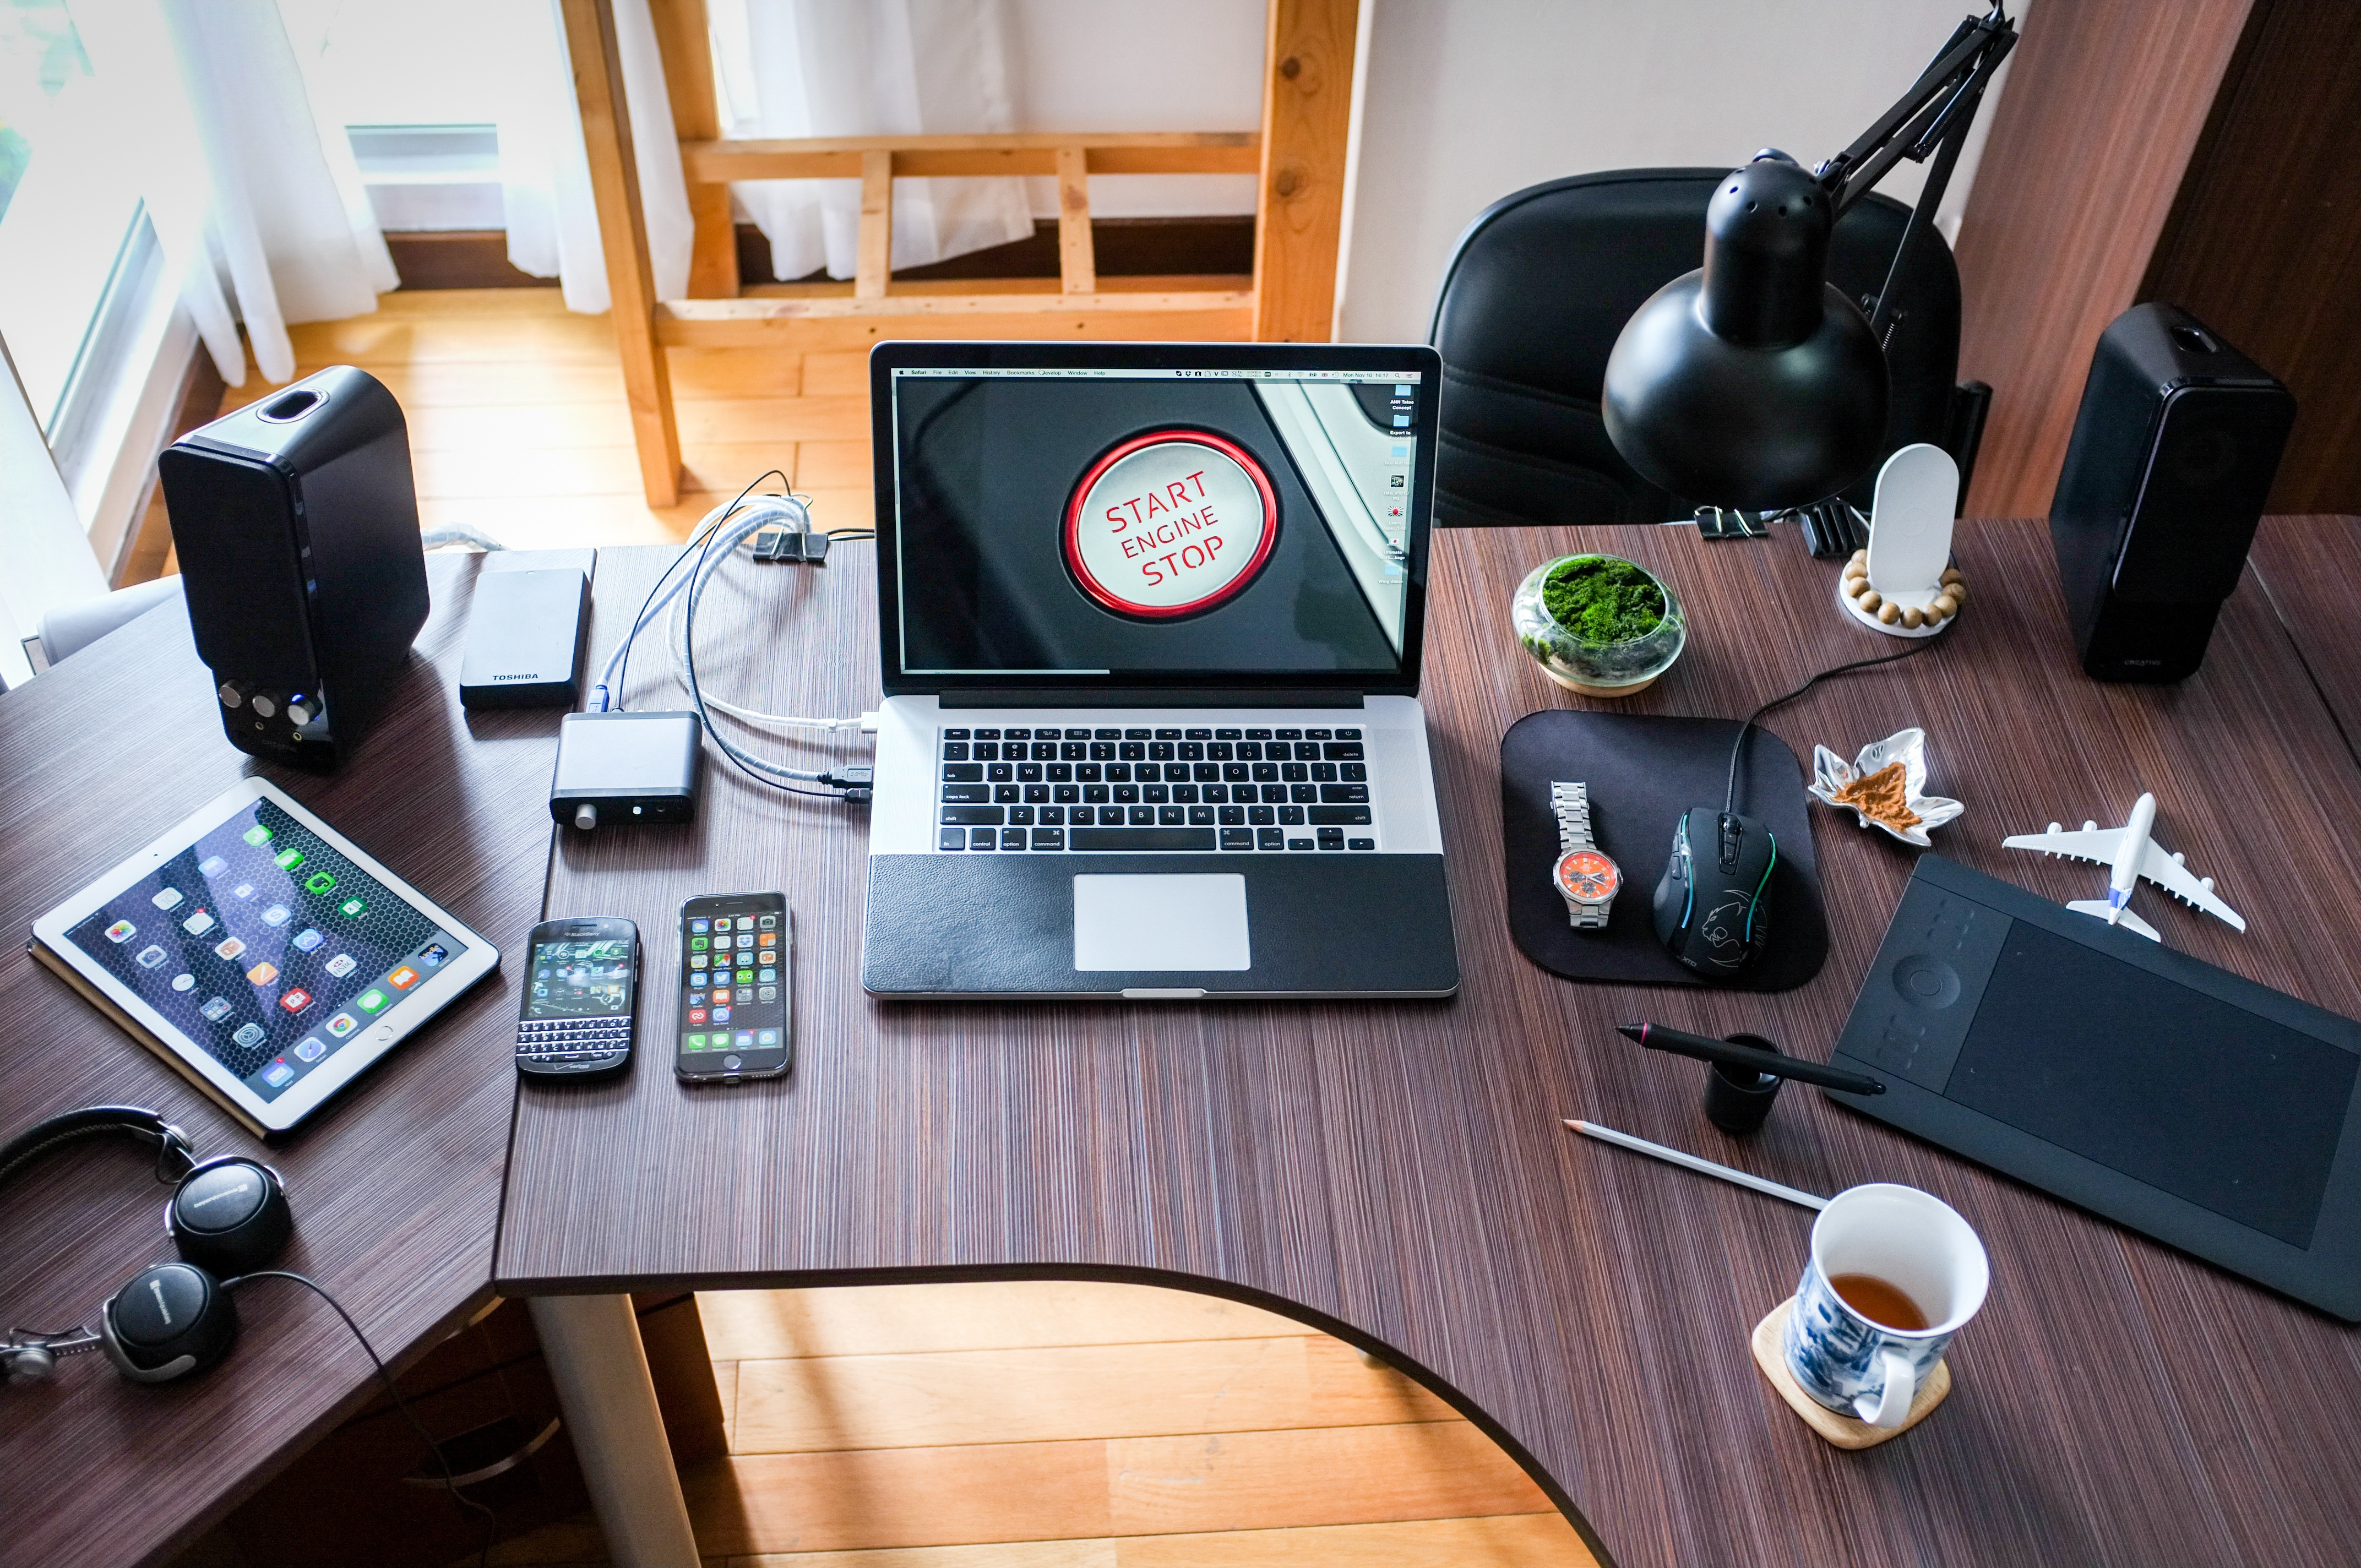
{"type": "Point", "coordinates": [1691, 1162]}
{"type": "Point", "coordinates": [1681, 1043]}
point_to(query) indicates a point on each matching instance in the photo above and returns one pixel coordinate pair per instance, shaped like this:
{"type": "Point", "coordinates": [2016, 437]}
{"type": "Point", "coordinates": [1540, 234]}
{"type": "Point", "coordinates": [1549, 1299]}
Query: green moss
{"type": "Point", "coordinates": [1601, 601]}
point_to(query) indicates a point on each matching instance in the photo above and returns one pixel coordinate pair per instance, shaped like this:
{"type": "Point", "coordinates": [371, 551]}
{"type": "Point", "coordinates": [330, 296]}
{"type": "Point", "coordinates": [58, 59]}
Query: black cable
{"type": "Point", "coordinates": [623, 669]}
{"type": "Point", "coordinates": [1730, 799]}
{"type": "Point", "coordinates": [491, 1520]}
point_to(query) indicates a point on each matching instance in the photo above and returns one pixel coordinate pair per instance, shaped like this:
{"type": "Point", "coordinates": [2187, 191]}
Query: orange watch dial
{"type": "Point", "coordinates": [1587, 875]}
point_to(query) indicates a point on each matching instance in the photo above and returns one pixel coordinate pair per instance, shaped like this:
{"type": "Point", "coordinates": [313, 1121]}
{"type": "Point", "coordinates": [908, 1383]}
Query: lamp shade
{"type": "Point", "coordinates": [1752, 382]}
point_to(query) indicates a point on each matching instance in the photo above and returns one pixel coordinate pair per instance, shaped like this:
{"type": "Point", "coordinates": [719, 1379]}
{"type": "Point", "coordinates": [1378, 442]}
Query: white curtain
{"type": "Point", "coordinates": [839, 68]}
{"type": "Point", "coordinates": [41, 538]}
{"type": "Point", "coordinates": [261, 216]}
{"type": "Point", "coordinates": [553, 222]}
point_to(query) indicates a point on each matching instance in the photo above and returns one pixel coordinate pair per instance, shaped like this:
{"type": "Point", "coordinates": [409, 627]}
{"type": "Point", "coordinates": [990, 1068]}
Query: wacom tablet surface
{"type": "Point", "coordinates": [2183, 1101]}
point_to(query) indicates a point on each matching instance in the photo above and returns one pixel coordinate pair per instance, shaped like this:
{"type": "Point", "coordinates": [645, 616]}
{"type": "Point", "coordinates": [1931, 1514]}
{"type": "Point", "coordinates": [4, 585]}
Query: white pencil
{"type": "Point", "coordinates": [1691, 1162]}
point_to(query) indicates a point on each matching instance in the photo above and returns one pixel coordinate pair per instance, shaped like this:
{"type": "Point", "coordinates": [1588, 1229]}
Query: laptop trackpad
{"type": "Point", "coordinates": [1170, 922]}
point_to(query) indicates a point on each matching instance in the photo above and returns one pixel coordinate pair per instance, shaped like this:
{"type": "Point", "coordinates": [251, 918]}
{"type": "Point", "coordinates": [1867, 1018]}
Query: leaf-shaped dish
{"type": "Point", "coordinates": [1831, 773]}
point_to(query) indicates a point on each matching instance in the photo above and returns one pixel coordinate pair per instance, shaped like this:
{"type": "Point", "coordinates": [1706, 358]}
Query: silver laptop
{"type": "Point", "coordinates": [1150, 618]}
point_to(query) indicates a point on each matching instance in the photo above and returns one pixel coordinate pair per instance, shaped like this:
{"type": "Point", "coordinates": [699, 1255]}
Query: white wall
{"type": "Point", "coordinates": [1469, 100]}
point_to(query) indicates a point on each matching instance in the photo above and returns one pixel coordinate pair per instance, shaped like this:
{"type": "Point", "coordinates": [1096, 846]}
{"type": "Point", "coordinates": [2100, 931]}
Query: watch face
{"type": "Point", "coordinates": [1588, 875]}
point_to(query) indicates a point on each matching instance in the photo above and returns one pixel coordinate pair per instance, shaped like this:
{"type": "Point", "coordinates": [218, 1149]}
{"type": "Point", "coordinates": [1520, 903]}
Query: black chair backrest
{"type": "Point", "coordinates": [1541, 285]}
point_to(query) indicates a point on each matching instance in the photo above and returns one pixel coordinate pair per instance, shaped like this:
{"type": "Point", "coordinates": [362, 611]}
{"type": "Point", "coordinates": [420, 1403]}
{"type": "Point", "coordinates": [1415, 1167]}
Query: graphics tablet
{"type": "Point", "coordinates": [262, 954]}
{"type": "Point", "coordinates": [2178, 1099]}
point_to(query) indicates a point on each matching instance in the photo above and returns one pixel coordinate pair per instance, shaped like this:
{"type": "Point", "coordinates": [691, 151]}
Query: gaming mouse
{"type": "Point", "coordinates": [1713, 904]}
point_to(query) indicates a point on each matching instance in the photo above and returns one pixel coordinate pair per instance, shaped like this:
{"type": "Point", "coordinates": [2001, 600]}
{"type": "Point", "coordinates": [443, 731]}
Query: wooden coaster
{"type": "Point", "coordinates": [1843, 1432]}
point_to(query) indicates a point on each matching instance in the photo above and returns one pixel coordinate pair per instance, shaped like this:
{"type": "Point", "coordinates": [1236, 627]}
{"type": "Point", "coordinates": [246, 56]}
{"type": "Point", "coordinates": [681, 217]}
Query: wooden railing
{"type": "Point", "coordinates": [876, 161]}
{"type": "Point", "coordinates": [1298, 156]}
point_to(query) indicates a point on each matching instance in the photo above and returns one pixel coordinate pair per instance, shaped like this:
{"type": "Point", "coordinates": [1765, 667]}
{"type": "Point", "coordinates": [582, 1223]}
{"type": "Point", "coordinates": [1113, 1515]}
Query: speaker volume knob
{"type": "Point", "coordinates": [232, 693]}
{"type": "Point", "coordinates": [301, 711]}
{"type": "Point", "coordinates": [263, 706]}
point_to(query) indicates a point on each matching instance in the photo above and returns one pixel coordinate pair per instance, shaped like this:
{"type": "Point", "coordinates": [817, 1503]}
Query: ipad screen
{"type": "Point", "coordinates": [266, 946]}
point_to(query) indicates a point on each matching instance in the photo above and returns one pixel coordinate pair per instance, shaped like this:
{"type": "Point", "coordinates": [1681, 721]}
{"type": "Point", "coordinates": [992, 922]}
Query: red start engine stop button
{"type": "Point", "coordinates": [1170, 523]}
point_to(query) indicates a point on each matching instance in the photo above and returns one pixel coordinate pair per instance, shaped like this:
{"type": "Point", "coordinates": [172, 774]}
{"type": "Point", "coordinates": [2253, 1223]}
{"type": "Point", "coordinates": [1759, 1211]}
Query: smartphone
{"type": "Point", "coordinates": [737, 953]}
{"type": "Point", "coordinates": [581, 993]}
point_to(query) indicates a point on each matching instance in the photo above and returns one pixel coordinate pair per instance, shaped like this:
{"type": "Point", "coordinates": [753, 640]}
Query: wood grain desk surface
{"type": "Point", "coordinates": [395, 1187]}
{"type": "Point", "coordinates": [1398, 1173]}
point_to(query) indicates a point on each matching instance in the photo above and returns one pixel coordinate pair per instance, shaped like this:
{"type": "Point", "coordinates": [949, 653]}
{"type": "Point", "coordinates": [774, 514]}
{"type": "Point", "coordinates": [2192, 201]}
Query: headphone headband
{"type": "Point", "coordinates": [174, 1155]}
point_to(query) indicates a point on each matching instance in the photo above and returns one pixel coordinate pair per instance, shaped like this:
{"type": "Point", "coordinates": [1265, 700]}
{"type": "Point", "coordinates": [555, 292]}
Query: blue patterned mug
{"type": "Point", "coordinates": [1894, 1274]}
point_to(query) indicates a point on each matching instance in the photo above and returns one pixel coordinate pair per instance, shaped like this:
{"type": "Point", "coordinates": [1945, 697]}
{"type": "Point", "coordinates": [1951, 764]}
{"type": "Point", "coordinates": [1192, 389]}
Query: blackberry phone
{"type": "Point", "coordinates": [580, 994]}
{"type": "Point", "coordinates": [736, 954]}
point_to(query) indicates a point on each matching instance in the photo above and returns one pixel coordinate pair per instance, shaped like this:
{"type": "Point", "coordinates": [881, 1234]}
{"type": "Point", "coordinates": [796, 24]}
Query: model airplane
{"type": "Point", "coordinates": [2132, 854]}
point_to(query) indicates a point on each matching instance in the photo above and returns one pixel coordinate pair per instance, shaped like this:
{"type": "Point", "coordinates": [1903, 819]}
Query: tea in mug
{"type": "Point", "coordinates": [1882, 1304]}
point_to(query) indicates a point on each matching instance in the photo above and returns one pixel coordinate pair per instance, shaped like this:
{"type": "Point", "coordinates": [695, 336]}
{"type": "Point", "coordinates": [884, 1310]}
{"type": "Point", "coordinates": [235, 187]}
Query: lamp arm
{"type": "Point", "coordinates": [1942, 102]}
{"type": "Point", "coordinates": [1933, 117]}
{"type": "Point", "coordinates": [1930, 196]}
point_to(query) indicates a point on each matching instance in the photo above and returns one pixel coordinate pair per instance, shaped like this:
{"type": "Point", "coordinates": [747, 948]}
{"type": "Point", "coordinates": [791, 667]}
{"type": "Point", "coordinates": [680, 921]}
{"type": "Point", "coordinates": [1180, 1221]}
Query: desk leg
{"type": "Point", "coordinates": [592, 1347]}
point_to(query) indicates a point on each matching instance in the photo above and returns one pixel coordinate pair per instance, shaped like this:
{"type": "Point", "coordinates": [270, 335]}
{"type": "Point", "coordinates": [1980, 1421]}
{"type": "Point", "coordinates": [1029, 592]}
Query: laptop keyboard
{"type": "Point", "coordinates": [1051, 788]}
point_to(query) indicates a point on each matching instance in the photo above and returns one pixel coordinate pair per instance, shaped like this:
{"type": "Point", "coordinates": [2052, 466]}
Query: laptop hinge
{"type": "Point", "coordinates": [1149, 697]}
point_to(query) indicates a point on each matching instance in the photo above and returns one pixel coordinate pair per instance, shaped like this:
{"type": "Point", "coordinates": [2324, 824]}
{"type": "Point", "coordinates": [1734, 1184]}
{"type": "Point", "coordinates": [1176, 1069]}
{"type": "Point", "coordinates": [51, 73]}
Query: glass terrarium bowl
{"type": "Point", "coordinates": [1596, 669]}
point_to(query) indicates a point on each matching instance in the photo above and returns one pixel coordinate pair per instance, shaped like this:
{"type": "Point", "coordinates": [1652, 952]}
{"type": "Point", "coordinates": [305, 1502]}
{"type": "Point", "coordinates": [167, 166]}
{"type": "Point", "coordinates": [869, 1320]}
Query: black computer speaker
{"type": "Point", "coordinates": [2171, 460]}
{"type": "Point", "coordinates": [296, 524]}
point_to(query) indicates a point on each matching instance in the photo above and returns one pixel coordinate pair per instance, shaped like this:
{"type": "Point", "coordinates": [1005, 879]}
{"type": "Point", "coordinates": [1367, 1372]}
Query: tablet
{"type": "Point", "coordinates": [262, 954]}
{"type": "Point", "coordinates": [2213, 1113]}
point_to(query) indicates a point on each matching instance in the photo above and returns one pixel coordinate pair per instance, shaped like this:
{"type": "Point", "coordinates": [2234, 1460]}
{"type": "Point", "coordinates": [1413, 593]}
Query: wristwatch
{"type": "Point", "coordinates": [1585, 878]}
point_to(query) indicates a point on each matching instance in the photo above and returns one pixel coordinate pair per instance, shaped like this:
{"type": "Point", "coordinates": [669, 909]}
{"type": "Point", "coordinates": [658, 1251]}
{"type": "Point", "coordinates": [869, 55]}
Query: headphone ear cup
{"type": "Point", "coordinates": [230, 1216]}
{"type": "Point", "coordinates": [170, 1320]}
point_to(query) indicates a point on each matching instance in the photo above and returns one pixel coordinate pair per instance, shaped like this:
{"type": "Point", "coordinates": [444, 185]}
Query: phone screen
{"type": "Point", "coordinates": [735, 952]}
{"type": "Point", "coordinates": [575, 977]}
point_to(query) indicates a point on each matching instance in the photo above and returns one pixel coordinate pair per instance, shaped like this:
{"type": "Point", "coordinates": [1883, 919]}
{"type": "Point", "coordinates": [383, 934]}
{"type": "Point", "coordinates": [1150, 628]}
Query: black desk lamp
{"type": "Point", "coordinates": [1753, 382]}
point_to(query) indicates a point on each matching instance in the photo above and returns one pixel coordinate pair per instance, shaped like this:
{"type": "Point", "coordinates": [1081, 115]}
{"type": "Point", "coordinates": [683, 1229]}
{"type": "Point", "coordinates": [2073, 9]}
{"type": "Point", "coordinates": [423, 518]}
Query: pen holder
{"type": "Point", "coordinates": [1737, 1099]}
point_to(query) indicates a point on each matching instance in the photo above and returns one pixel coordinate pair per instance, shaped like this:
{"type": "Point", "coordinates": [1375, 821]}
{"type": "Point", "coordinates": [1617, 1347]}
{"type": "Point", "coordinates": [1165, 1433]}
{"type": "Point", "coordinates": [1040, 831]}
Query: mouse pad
{"type": "Point", "coordinates": [1644, 771]}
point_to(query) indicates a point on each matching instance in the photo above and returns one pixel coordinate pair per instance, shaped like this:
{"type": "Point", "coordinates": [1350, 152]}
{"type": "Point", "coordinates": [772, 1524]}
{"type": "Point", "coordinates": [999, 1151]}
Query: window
{"type": "Point", "coordinates": [418, 89]}
{"type": "Point", "coordinates": [431, 177]}
{"type": "Point", "coordinates": [69, 206]}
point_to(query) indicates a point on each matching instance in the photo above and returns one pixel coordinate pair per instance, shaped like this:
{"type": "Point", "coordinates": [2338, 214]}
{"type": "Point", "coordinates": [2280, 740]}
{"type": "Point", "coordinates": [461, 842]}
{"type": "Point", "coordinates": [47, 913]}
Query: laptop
{"type": "Point", "coordinates": [1151, 618]}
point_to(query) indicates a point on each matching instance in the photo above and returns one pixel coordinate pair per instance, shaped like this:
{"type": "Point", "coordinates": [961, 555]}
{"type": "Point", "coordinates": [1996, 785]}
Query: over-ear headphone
{"type": "Point", "coordinates": [228, 1216]}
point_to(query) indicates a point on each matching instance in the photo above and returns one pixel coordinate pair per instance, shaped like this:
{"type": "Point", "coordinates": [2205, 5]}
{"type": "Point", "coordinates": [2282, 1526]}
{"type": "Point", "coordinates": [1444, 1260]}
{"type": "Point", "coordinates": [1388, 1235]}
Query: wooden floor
{"type": "Point", "coordinates": [955, 1426]}
{"type": "Point", "coordinates": [518, 424]}
{"type": "Point", "coordinates": [1070, 1425]}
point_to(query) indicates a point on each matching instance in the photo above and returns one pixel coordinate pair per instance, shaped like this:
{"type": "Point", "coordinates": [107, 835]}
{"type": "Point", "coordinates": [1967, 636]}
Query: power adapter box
{"type": "Point", "coordinates": [614, 768]}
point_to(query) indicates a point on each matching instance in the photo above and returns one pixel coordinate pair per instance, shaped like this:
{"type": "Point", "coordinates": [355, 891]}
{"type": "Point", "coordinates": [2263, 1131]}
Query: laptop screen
{"type": "Point", "coordinates": [1117, 516]}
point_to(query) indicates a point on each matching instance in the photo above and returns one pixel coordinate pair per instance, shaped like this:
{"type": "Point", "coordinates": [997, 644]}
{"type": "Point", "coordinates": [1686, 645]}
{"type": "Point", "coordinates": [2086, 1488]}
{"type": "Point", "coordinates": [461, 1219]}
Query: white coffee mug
{"type": "Point", "coordinates": [1916, 1244]}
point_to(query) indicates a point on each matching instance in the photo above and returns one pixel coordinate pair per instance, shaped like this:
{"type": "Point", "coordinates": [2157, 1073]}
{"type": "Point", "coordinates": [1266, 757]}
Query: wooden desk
{"type": "Point", "coordinates": [1397, 1174]}
{"type": "Point", "coordinates": [395, 1187]}
{"type": "Point", "coordinates": [2311, 567]}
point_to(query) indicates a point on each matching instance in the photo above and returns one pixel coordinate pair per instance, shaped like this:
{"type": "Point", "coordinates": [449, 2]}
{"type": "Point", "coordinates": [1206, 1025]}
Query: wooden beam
{"type": "Point", "coordinates": [817, 325]}
{"type": "Point", "coordinates": [1238, 283]}
{"type": "Point", "coordinates": [686, 45]}
{"type": "Point", "coordinates": [838, 158]}
{"type": "Point", "coordinates": [1307, 111]}
{"type": "Point", "coordinates": [623, 237]}
{"type": "Point", "coordinates": [1243, 158]}
{"type": "Point", "coordinates": [1077, 266]}
{"type": "Point", "coordinates": [2107, 103]}
{"type": "Point", "coordinates": [874, 264]}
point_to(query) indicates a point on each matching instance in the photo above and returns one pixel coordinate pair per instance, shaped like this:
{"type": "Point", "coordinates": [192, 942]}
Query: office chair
{"type": "Point", "coordinates": [1542, 283]}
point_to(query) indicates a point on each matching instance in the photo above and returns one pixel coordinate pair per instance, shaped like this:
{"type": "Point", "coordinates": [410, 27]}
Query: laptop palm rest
{"type": "Point", "coordinates": [1160, 922]}
{"type": "Point", "coordinates": [1003, 924]}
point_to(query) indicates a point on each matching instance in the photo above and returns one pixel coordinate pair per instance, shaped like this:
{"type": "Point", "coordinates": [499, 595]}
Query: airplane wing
{"type": "Point", "coordinates": [2098, 845]}
{"type": "Point", "coordinates": [2176, 879]}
